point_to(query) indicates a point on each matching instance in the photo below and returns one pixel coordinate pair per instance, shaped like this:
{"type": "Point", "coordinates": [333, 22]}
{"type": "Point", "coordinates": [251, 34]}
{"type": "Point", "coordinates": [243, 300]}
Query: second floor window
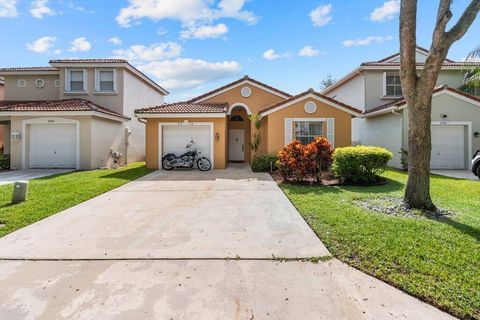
{"type": "Point", "coordinates": [106, 81]}
{"type": "Point", "coordinates": [76, 80]}
{"type": "Point", "coordinates": [393, 87]}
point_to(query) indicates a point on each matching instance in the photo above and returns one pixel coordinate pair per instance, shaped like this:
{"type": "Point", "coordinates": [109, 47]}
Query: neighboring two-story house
{"type": "Point", "coordinates": [375, 88]}
{"type": "Point", "coordinates": [75, 113]}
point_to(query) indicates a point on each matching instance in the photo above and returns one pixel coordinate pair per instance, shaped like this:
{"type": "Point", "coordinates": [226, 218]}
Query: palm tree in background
{"type": "Point", "coordinates": [471, 81]}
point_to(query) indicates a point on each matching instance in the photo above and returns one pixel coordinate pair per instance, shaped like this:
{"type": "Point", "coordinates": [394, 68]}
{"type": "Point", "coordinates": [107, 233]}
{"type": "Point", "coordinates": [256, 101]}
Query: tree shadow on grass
{"type": "Point", "coordinates": [464, 228]}
{"type": "Point", "coordinates": [127, 174]}
{"type": "Point", "coordinates": [390, 186]}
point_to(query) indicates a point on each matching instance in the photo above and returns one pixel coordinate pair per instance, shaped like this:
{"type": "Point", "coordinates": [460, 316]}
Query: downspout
{"type": "Point", "coordinates": [401, 127]}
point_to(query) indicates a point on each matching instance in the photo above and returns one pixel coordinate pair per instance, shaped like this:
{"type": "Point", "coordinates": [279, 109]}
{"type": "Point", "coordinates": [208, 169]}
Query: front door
{"type": "Point", "coordinates": [236, 145]}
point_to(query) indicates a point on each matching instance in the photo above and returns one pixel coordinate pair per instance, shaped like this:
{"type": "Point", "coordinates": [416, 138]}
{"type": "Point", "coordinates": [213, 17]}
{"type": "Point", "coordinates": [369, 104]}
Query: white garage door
{"type": "Point", "coordinates": [52, 146]}
{"type": "Point", "coordinates": [176, 137]}
{"type": "Point", "coordinates": [448, 147]}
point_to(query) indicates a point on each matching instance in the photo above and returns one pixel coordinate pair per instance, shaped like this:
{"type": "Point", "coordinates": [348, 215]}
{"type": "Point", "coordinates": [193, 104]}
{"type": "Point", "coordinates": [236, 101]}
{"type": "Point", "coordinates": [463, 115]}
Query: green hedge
{"type": "Point", "coordinates": [5, 161]}
{"type": "Point", "coordinates": [360, 164]}
{"type": "Point", "coordinates": [264, 163]}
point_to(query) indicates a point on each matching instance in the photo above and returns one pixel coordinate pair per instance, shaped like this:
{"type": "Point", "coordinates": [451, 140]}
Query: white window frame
{"type": "Point", "coordinates": [57, 83]}
{"type": "Point", "coordinates": [67, 80]}
{"type": "Point", "coordinates": [97, 79]}
{"type": "Point", "coordinates": [21, 83]}
{"type": "Point", "coordinates": [384, 93]}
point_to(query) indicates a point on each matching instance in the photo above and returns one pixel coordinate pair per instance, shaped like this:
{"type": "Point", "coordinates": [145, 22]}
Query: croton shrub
{"type": "Point", "coordinates": [299, 161]}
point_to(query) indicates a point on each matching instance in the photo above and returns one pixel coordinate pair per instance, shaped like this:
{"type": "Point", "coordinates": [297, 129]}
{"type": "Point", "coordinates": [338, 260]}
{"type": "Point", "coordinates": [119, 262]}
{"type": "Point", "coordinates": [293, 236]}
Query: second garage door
{"type": "Point", "coordinates": [176, 137]}
{"type": "Point", "coordinates": [448, 147]}
{"type": "Point", "coordinates": [52, 146]}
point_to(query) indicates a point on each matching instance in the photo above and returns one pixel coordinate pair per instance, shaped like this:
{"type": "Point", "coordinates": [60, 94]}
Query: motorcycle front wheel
{"type": "Point", "coordinates": [166, 164]}
{"type": "Point", "coordinates": [203, 164]}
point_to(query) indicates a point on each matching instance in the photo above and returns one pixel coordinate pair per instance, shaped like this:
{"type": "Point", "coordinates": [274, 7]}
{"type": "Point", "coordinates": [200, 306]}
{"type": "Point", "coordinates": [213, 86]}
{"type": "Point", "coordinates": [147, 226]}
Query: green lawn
{"type": "Point", "coordinates": [437, 260]}
{"type": "Point", "coordinates": [55, 193]}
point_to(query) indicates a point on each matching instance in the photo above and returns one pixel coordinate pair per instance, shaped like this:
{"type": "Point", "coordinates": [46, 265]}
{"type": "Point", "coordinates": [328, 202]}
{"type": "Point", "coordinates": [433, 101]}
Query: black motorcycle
{"type": "Point", "coordinates": [187, 160]}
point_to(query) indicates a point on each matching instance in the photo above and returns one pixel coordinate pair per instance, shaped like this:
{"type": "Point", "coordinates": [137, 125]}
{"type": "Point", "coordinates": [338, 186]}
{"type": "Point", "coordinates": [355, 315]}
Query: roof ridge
{"type": "Point", "coordinates": [310, 91]}
{"type": "Point", "coordinates": [244, 78]}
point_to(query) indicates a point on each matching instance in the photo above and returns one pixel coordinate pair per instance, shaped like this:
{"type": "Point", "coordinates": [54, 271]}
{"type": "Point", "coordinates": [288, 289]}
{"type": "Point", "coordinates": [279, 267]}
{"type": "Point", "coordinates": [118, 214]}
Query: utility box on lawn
{"type": "Point", "coordinates": [20, 192]}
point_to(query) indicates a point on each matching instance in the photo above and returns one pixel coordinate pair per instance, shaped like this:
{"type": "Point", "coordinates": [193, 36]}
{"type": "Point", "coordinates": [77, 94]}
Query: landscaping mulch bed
{"type": "Point", "coordinates": [395, 206]}
{"type": "Point", "coordinates": [328, 179]}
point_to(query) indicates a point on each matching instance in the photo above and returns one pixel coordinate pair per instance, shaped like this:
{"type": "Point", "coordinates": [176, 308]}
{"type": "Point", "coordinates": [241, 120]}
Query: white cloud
{"type": "Point", "coordinates": [366, 41]}
{"type": "Point", "coordinates": [115, 41]}
{"type": "Point", "coordinates": [8, 8]}
{"type": "Point", "coordinates": [203, 32]}
{"type": "Point", "coordinates": [321, 15]}
{"type": "Point", "coordinates": [386, 12]}
{"type": "Point", "coordinates": [80, 44]}
{"type": "Point", "coordinates": [308, 51]}
{"type": "Point", "coordinates": [156, 51]}
{"type": "Point", "coordinates": [189, 12]}
{"type": "Point", "coordinates": [42, 44]}
{"type": "Point", "coordinates": [270, 54]}
{"type": "Point", "coordinates": [189, 73]}
{"type": "Point", "coordinates": [39, 8]}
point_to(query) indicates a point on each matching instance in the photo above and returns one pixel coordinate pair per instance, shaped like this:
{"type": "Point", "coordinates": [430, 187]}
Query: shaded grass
{"type": "Point", "coordinates": [437, 260]}
{"type": "Point", "coordinates": [52, 194]}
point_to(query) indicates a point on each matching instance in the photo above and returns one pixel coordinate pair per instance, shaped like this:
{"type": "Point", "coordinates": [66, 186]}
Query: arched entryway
{"type": "Point", "coordinates": [238, 133]}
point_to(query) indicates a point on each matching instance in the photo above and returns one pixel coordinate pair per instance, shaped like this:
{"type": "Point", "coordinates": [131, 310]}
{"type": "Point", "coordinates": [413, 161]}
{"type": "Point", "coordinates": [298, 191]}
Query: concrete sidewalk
{"type": "Point", "coordinates": [7, 177]}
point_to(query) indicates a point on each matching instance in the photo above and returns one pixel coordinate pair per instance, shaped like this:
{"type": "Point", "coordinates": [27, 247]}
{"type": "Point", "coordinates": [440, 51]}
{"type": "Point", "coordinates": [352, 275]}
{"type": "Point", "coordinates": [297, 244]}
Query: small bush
{"type": "Point", "coordinates": [5, 161]}
{"type": "Point", "coordinates": [360, 164]}
{"type": "Point", "coordinates": [264, 163]}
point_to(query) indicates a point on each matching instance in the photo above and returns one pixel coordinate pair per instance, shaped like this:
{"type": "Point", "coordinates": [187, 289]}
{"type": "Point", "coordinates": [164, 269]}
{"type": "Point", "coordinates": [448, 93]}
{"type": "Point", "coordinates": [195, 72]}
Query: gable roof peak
{"type": "Point", "coordinates": [236, 83]}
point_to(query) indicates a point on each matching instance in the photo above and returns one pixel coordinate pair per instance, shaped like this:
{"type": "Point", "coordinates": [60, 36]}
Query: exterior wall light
{"type": "Point", "coordinates": [476, 134]}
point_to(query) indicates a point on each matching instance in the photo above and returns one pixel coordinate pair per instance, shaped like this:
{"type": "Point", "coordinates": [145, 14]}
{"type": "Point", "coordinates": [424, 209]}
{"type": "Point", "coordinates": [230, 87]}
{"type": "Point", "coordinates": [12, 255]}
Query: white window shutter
{"type": "Point", "coordinates": [97, 80]}
{"type": "Point", "coordinates": [67, 80]}
{"type": "Point", "coordinates": [331, 131]}
{"type": "Point", "coordinates": [384, 92]}
{"type": "Point", "coordinates": [288, 130]}
{"type": "Point", "coordinates": [85, 79]}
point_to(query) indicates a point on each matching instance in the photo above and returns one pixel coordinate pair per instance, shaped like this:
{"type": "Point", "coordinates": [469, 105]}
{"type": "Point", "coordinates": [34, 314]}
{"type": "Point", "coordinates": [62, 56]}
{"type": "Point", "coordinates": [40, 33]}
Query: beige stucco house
{"type": "Point", "coordinates": [219, 122]}
{"type": "Point", "coordinates": [76, 113]}
{"type": "Point", "coordinates": [374, 87]}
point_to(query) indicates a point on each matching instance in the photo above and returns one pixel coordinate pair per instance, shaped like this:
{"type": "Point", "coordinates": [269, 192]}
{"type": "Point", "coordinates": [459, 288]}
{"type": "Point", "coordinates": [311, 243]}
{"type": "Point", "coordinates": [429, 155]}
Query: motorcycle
{"type": "Point", "coordinates": [186, 160]}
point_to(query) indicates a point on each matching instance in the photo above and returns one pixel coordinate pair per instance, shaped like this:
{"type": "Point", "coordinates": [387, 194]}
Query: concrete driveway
{"type": "Point", "coordinates": [156, 249]}
{"type": "Point", "coordinates": [458, 174]}
{"type": "Point", "coordinates": [7, 177]}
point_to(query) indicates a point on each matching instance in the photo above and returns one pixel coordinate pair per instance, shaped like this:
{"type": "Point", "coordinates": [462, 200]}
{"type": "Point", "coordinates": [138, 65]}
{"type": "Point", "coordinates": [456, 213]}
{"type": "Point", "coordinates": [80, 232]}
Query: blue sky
{"type": "Point", "coordinates": [192, 46]}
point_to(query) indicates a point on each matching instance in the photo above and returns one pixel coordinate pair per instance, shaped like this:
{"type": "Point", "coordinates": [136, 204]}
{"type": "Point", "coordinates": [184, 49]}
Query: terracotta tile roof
{"type": "Point", "coordinates": [28, 69]}
{"type": "Point", "coordinates": [397, 64]}
{"type": "Point", "coordinates": [89, 61]}
{"type": "Point", "coordinates": [55, 106]}
{"type": "Point", "coordinates": [401, 102]}
{"type": "Point", "coordinates": [186, 107]}
{"type": "Point", "coordinates": [196, 99]}
{"type": "Point", "coordinates": [311, 91]}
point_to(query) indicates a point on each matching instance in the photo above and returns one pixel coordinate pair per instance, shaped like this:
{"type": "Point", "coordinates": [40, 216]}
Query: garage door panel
{"type": "Point", "coordinates": [448, 147]}
{"type": "Point", "coordinates": [176, 137]}
{"type": "Point", "coordinates": [52, 146]}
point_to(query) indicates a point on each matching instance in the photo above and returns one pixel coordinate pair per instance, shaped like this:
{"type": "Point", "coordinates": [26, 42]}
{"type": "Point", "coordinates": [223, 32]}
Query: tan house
{"type": "Point", "coordinates": [220, 122]}
{"type": "Point", "coordinates": [76, 113]}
